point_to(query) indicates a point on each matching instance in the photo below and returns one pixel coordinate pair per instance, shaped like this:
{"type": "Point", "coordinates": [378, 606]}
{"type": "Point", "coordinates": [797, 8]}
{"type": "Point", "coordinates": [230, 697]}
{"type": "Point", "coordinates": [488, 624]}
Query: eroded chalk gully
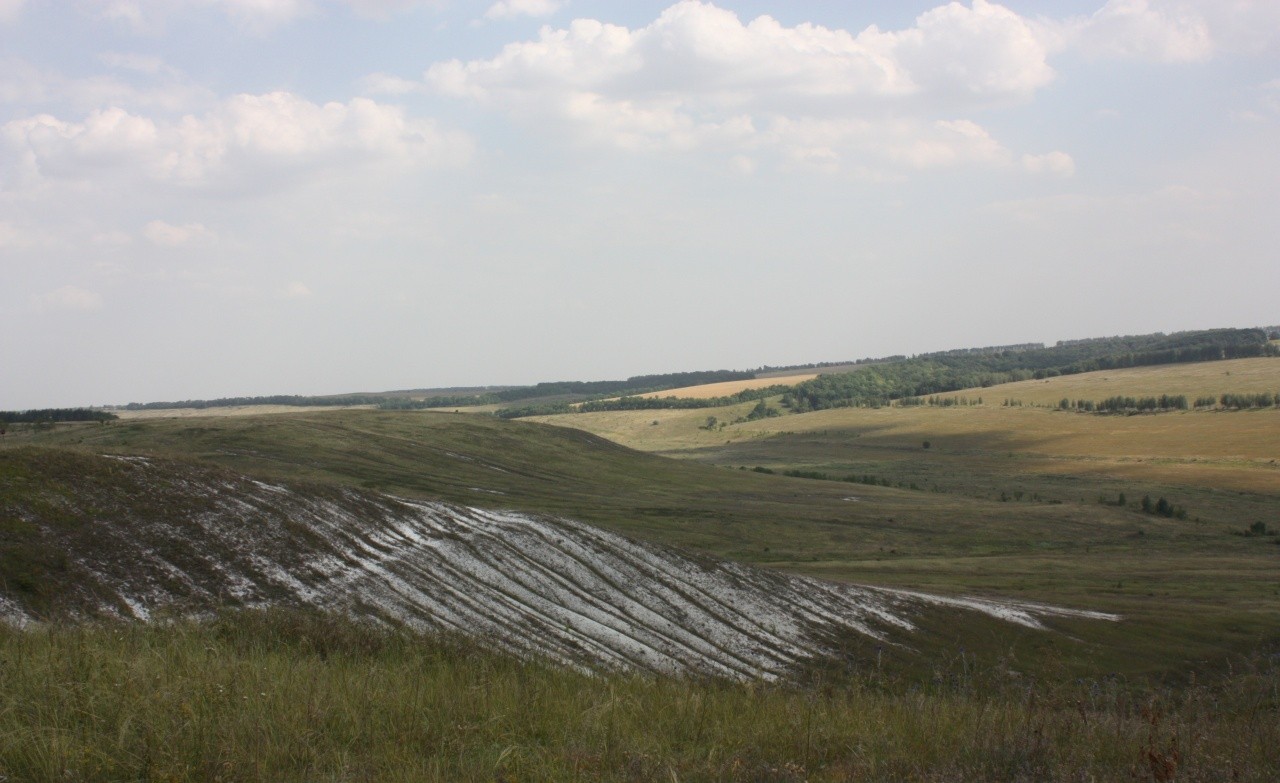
{"type": "Point", "coordinates": [530, 585]}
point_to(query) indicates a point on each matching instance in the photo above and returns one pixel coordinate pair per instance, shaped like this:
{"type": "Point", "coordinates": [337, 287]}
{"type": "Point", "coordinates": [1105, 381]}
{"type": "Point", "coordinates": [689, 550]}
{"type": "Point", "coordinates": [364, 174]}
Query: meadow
{"type": "Point", "coordinates": [1017, 501]}
{"type": "Point", "coordinates": [280, 696]}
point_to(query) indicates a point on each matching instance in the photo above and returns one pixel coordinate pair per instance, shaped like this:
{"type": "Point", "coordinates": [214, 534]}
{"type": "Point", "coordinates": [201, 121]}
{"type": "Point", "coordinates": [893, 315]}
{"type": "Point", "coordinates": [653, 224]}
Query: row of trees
{"type": "Point", "coordinates": [570, 391]}
{"type": "Point", "coordinates": [637, 384]}
{"type": "Point", "coordinates": [1159, 507]}
{"type": "Point", "coordinates": [1123, 404]}
{"type": "Point", "coordinates": [631, 403]}
{"type": "Point", "coordinates": [342, 400]}
{"type": "Point", "coordinates": [51, 415]}
{"type": "Point", "coordinates": [940, 402]}
{"type": "Point", "coordinates": [1169, 402]}
{"type": "Point", "coordinates": [1262, 400]}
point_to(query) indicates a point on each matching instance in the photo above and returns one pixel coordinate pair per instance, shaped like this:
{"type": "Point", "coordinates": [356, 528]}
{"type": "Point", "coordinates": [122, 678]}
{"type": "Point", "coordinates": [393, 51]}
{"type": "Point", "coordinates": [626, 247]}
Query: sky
{"type": "Point", "coordinates": [211, 198]}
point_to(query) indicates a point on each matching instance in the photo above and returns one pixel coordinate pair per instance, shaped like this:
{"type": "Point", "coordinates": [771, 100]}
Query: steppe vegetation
{"type": "Point", "coordinates": [301, 697]}
{"type": "Point", "coordinates": [1005, 495]}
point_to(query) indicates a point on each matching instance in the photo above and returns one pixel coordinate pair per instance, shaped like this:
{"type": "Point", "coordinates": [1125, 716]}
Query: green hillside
{"type": "Point", "coordinates": [1191, 594]}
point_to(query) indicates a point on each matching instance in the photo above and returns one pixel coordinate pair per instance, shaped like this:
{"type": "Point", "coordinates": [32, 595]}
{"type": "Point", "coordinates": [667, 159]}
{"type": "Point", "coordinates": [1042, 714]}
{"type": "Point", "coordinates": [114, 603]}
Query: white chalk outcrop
{"type": "Point", "coordinates": [527, 584]}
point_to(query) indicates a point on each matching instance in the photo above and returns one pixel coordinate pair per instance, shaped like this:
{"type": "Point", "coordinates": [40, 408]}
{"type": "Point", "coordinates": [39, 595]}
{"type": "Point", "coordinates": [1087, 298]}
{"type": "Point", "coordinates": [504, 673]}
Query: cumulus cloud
{"type": "Point", "coordinates": [510, 9]}
{"type": "Point", "coordinates": [262, 141]}
{"type": "Point", "coordinates": [700, 77]}
{"type": "Point", "coordinates": [1056, 162]}
{"type": "Point", "coordinates": [984, 50]}
{"type": "Point", "coordinates": [165, 234]}
{"type": "Point", "coordinates": [1162, 32]}
{"type": "Point", "coordinates": [68, 297]}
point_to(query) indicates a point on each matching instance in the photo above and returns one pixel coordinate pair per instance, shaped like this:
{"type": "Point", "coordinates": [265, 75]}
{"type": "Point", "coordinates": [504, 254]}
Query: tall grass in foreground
{"type": "Point", "coordinates": [286, 697]}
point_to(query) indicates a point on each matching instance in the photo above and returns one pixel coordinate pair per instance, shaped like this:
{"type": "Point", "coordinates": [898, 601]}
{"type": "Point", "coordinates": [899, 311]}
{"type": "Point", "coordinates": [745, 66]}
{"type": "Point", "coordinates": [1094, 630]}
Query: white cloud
{"type": "Point", "coordinates": [698, 77]}
{"type": "Point", "coordinates": [1167, 32]}
{"type": "Point", "coordinates": [1056, 162]}
{"type": "Point", "coordinates": [67, 298]}
{"type": "Point", "coordinates": [510, 9]}
{"type": "Point", "coordinates": [984, 50]}
{"type": "Point", "coordinates": [1247, 26]}
{"type": "Point", "coordinates": [255, 141]}
{"type": "Point", "coordinates": [165, 234]}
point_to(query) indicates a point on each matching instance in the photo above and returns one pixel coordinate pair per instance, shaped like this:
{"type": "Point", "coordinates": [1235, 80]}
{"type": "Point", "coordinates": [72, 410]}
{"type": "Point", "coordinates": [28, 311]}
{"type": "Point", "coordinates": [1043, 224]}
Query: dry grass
{"type": "Point", "coordinates": [1224, 449]}
{"type": "Point", "coordinates": [1242, 376]}
{"type": "Point", "coordinates": [1238, 450]}
{"type": "Point", "coordinates": [726, 388]}
{"type": "Point", "coordinates": [282, 698]}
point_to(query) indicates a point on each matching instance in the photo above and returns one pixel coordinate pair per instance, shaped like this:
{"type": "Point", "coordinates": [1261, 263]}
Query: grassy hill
{"type": "Point", "coordinates": [993, 471]}
{"type": "Point", "coordinates": [1004, 501]}
{"type": "Point", "coordinates": [1191, 591]}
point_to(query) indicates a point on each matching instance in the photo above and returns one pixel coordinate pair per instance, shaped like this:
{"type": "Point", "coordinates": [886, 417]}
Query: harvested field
{"type": "Point", "coordinates": [1239, 376]}
{"type": "Point", "coordinates": [726, 388]}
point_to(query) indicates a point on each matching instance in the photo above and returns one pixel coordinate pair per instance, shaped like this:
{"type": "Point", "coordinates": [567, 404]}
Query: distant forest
{"type": "Point", "coordinates": [880, 383]}
{"type": "Point", "coordinates": [638, 384]}
{"type": "Point", "coordinates": [50, 415]}
{"type": "Point", "coordinates": [877, 381]}
{"type": "Point", "coordinates": [951, 371]}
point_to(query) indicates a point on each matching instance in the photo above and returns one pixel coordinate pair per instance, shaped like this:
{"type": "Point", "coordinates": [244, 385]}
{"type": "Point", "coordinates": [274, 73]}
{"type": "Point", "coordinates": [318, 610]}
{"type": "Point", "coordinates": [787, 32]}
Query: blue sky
{"type": "Point", "coordinates": [238, 197]}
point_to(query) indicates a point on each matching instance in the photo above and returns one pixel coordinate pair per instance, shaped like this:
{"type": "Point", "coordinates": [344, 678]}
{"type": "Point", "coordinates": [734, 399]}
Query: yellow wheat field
{"type": "Point", "coordinates": [1202, 379]}
{"type": "Point", "coordinates": [725, 388]}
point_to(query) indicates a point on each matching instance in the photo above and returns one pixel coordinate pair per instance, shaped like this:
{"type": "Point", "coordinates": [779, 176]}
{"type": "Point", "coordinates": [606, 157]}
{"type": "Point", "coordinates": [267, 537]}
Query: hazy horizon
{"type": "Point", "coordinates": [255, 197]}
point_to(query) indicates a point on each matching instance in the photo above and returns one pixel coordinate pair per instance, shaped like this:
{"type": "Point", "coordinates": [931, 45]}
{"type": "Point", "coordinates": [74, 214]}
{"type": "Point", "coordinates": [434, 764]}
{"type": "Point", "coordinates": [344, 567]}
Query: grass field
{"type": "Point", "coordinates": [1002, 501]}
{"type": "Point", "coordinates": [1192, 592]}
{"type": "Point", "coordinates": [986, 465]}
{"type": "Point", "coordinates": [287, 697]}
{"type": "Point", "coordinates": [1222, 450]}
{"type": "Point", "coordinates": [1208, 379]}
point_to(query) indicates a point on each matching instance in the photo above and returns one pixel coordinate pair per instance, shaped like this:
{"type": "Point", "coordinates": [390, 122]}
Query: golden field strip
{"type": "Point", "coordinates": [1202, 379]}
{"type": "Point", "coordinates": [726, 388]}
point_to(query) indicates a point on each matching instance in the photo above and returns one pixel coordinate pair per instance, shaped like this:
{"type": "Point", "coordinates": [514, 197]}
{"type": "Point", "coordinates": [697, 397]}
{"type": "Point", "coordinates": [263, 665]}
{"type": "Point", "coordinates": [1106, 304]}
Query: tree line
{"type": "Point", "coordinates": [633, 403]}
{"type": "Point", "coordinates": [1170, 402]}
{"type": "Point", "coordinates": [572, 391]}
{"type": "Point", "coordinates": [952, 371]}
{"type": "Point", "coordinates": [342, 400]}
{"type": "Point", "coordinates": [43, 415]}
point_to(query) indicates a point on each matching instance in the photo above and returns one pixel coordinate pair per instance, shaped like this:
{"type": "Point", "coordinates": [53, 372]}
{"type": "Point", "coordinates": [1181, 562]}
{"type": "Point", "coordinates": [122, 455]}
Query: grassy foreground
{"type": "Point", "coordinates": [296, 697]}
